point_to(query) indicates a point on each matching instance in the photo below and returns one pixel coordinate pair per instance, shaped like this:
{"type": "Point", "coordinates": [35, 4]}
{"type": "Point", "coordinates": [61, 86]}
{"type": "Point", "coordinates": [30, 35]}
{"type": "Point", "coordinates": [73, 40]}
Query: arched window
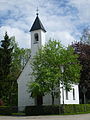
{"type": "Point", "coordinates": [36, 38]}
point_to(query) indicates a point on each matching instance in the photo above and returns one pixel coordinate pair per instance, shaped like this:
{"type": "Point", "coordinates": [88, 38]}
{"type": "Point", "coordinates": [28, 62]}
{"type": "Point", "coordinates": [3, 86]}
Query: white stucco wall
{"type": "Point", "coordinates": [24, 98]}
{"type": "Point", "coordinates": [47, 100]}
{"type": "Point", "coordinates": [41, 42]}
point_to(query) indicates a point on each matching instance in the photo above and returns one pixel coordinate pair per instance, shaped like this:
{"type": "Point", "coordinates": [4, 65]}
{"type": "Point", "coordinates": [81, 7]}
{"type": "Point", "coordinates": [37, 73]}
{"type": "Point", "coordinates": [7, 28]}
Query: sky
{"type": "Point", "coordinates": [64, 20]}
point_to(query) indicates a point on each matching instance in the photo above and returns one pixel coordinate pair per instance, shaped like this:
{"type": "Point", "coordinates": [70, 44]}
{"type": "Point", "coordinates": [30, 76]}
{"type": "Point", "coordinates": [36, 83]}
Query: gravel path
{"type": "Point", "coordinates": [65, 117]}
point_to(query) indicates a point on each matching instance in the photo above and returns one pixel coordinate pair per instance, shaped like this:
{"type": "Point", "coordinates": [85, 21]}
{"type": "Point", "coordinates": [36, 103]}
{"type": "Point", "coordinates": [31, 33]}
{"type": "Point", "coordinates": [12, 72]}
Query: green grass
{"type": "Point", "coordinates": [18, 114]}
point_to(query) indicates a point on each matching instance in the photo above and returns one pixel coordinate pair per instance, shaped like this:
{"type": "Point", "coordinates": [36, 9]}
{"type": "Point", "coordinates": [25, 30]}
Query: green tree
{"type": "Point", "coordinates": [1, 71]}
{"type": "Point", "coordinates": [5, 66]}
{"type": "Point", "coordinates": [20, 56]}
{"type": "Point", "coordinates": [47, 73]}
{"type": "Point", "coordinates": [12, 61]}
{"type": "Point", "coordinates": [83, 50]}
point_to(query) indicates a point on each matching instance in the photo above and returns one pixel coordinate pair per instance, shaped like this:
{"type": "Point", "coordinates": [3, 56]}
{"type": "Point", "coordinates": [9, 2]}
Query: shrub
{"type": "Point", "coordinates": [49, 110]}
{"type": "Point", "coordinates": [14, 109]}
{"type": "Point", "coordinates": [5, 110]}
{"type": "Point", "coordinates": [77, 108]}
{"type": "Point", "coordinates": [8, 110]}
{"type": "Point", "coordinates": [41, 110]}
{"type": "Point", "coordinates": [73, 108]}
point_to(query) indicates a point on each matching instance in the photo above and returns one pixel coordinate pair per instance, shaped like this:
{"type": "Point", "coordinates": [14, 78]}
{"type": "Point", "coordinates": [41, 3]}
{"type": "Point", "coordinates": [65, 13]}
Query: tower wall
{"type": "Point", "coordinates": [24, 98]}
{"type": "Point", "coordinates": [37, 45]}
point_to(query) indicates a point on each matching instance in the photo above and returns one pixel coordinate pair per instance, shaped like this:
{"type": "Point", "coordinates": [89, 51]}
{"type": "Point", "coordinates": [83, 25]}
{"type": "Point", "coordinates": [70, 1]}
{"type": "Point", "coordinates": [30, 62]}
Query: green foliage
{"type": "Point", "coordinates": [83, 50]}
{"type": "Point", "coordinates": [54, 110]}
{"type": "Point", "coordinates": [76, 108]}
{"type": "Point", "coordinates": [47, 72]}
{"type": "Point", "coordinates": [5, 59]}
{"type": "Point", "coordinates": [12, 61]}
{"type": "Point", "coordinates": [5, 66]}
{"type": "Point", "coordinates": [8, 110]}
{"type": "Point", "coordinates": [5, 110]}
{"type": "Point", "coordinates": [41, 110]}
{"type": "Point", "coordinates": [20, 56]}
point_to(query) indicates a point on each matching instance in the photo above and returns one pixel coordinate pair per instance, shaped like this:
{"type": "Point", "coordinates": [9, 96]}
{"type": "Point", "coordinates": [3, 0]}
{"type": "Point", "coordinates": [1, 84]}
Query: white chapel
{"type": "Point", "coordinates": [24, 98]}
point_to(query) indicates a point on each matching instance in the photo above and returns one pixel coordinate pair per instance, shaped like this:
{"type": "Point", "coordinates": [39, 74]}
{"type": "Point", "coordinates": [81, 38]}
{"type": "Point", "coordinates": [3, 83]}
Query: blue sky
{"type": "Point", "coordinates": [64, 20]}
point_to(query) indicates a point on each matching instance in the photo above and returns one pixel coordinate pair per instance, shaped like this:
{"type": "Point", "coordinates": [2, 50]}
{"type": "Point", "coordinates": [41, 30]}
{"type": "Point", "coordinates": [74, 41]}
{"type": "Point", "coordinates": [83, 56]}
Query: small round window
{"type": "Point", "coordinates": [36, 37]}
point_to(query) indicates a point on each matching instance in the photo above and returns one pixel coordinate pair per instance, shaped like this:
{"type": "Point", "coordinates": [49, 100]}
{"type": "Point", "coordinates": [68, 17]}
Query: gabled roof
{"type": "Point", "coordinates": [37, 25]}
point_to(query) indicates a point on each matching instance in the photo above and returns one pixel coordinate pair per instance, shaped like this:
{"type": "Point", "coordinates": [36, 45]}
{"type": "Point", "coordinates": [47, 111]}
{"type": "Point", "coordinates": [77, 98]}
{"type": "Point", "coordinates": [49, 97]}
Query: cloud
{"type": "Point", "coordinates": [20, 36]}
{"type": "Point", "coordinates": [83, 7]}
{"type": "Point", "coordinates": [63, 19]}
{"type": "Point", "coordinates": [64, 37]}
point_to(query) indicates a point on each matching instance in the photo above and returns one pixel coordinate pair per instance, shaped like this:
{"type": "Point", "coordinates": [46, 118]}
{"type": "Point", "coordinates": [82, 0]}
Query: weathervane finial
{"type": "Point", "coordinates": [37, 11]}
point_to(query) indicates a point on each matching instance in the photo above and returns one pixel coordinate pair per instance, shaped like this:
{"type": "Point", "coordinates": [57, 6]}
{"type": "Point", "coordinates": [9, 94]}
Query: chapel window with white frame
{"type": "Point", "coordinates": [73, 94]}
{"type": "Point", "coordinates": [66, 94]}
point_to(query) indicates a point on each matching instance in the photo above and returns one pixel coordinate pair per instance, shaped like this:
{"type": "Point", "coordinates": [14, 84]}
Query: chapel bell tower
{"type": "Point", "coordinates": [37, 35]}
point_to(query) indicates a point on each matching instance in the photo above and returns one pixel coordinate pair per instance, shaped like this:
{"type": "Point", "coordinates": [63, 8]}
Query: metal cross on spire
{"type": "Point", "coordinates": [37, 11]}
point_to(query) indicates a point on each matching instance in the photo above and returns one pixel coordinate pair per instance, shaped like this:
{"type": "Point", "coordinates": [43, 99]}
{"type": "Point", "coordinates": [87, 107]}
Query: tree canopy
{"type": "Point", "coordinates": [5, 65]}
{"type": "Point", "coordinates": [12, 61]}
{"type": "Point", "coordinates": [46, 66]}
{"type": "Point", "coordinates": [83, 50]}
